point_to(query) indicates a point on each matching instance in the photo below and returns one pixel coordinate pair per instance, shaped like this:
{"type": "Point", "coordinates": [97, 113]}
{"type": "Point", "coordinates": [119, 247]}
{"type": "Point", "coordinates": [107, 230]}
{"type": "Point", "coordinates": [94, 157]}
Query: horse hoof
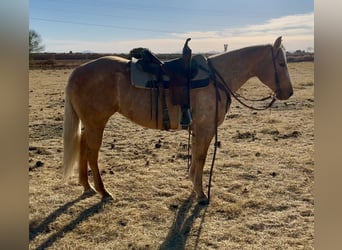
{"type": "Point", "coordinates": [88, 192]}
{"type": "Point", "coordinates": [107, 197]}
{"type": "Point", "coordinates": [203, 201]}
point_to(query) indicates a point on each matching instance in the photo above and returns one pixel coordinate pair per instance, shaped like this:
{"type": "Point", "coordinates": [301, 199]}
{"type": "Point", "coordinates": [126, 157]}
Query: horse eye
{"type": "Point", "coordinates": [282, 64]}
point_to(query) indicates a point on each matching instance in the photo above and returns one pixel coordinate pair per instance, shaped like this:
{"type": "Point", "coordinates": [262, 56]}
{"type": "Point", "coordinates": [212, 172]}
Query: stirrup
{"type": "Point", "coordinates": [186, 118]}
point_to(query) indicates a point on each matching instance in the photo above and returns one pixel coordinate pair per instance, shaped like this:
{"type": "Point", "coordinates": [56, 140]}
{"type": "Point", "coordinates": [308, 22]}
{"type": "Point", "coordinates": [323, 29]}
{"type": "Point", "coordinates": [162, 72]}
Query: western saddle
{"type": "Point", "coordinates": [180, 71]}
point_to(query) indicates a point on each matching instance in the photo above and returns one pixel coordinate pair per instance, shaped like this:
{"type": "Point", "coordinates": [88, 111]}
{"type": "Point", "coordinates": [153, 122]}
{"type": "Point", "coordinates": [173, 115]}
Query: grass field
{"type": "Point", "coordinates": [262, 189]}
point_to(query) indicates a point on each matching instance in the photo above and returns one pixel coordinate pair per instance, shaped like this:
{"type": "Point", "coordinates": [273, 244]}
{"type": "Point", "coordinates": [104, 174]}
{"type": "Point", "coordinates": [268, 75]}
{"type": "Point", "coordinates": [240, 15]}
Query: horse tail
{"type": "Point", "coordinates": [71, 138]}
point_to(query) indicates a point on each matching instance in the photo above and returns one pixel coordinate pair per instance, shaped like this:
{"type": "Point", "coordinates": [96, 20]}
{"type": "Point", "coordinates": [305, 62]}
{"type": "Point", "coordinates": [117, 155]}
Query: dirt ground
{"type": "Point", "coordinates": [262, 188]}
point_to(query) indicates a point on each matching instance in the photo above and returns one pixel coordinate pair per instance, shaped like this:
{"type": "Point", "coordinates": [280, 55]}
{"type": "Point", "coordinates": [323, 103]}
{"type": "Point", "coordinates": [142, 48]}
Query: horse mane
{"type": "Point", "coordinates": [246, 50]}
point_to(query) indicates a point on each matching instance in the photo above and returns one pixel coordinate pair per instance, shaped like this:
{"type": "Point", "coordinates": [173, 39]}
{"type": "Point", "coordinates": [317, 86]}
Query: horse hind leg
{"type": "Point", "coordinates": [83, 168]}
{"type": "Point", "coordinates": [93, 140]}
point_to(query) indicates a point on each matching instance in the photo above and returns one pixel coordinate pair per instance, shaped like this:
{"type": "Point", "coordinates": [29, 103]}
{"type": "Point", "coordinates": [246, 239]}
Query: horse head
{"type": "Point", "coordinates": [280, 79]}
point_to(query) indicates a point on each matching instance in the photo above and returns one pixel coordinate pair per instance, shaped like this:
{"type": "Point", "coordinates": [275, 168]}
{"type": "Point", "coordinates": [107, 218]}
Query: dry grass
{"type": "Point", "coordinates": [262, 190]}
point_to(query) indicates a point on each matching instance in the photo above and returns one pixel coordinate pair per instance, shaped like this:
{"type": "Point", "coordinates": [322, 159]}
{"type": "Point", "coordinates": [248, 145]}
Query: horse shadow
{"type": "Point", "coordinates": [176, 238]}
{"type": "Point", "coordinates": [183, 223]}
{"type": "Point", "coordinates": [43, 227]}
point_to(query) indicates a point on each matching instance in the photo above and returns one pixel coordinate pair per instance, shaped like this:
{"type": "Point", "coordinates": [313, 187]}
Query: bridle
{"type": "Point", "coordinates": [276, 74]}
{"type": "Point", "coordinates": [239, 97]}
{"type": "Point", "coordinates": [222, 84]}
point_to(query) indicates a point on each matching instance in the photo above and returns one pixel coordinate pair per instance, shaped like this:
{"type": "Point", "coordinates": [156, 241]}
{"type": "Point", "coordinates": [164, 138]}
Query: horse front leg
{"type": "Point", "coordinates": [200, 145]}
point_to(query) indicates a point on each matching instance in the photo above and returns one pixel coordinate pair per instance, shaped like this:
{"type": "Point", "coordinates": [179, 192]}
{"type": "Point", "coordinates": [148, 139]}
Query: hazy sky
{"type": "Point", "coordinates": [115, 26]}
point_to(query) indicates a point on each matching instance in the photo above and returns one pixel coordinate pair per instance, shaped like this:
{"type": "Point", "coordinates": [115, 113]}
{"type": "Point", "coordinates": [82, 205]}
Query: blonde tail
{"type": "Point", "coordinates": [71, 139]}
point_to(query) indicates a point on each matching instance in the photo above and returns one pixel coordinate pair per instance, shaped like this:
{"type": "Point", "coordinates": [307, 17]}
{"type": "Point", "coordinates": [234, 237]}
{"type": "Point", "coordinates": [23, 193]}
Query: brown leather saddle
{"type": "Point", "coordinates": [178, 75]}
{"type": "Point", "coordinates": [174, 74]}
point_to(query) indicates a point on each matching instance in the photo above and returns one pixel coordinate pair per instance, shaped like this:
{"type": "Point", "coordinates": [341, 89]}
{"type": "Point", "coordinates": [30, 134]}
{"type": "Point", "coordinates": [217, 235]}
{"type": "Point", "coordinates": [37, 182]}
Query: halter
{"type": "Point", "coordinates": [276, 75]}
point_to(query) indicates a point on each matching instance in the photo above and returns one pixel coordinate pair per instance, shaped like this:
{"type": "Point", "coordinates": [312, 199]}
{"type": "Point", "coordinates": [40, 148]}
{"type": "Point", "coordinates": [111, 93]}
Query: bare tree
{"type": "Point", "coordinates": [35, 42]}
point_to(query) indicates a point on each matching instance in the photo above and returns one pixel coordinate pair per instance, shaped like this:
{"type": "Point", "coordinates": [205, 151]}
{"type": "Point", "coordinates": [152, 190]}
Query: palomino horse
{"type": "Point", "coordinates": [98, 89]}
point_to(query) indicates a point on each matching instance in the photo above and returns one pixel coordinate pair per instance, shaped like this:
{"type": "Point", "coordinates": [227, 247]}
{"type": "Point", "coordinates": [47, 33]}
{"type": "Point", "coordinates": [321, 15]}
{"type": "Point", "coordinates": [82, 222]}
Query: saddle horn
{"type": "Point", "coordinates": [186, 42]}
{"type": "Point", "coordinates": [186, 52]}
{"type": "Point", "coordinates": [186, 57]}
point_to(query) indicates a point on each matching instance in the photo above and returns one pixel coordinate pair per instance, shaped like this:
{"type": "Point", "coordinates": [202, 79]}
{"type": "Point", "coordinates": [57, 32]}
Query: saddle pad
{"type": "Point", "coordinates": [142, 79]}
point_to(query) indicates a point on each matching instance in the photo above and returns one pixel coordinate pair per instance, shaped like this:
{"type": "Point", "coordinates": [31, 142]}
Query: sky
{"type": "Point", "coordinates": [117, 26]}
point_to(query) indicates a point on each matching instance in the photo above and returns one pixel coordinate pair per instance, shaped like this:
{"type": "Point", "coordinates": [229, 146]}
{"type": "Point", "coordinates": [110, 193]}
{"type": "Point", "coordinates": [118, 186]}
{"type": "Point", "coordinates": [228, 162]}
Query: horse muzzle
{"type": "Point", "coordinates": [284, 94]}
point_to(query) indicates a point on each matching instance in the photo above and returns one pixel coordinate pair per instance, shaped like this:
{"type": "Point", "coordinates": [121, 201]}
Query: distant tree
{"type": "Point", "coordinates": [35, 42]}
{"type": "Point", "coordinates": [310, 49]}
{"type": "Point", "coordinates": [299, 52]}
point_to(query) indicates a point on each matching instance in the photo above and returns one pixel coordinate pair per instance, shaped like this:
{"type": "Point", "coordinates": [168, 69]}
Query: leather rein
{"type": "Point", "coordinates": [222, 84]}
{"type": "Point", "coordinates": [239, 97]}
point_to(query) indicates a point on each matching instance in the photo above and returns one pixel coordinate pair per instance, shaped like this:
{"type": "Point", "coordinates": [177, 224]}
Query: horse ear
{"type": "Point", "coordinates": [277, 43]}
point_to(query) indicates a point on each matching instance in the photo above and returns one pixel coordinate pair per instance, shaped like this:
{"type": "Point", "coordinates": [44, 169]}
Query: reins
{"type": "Point", "coordinates": [238, 98]}
{"type": "Point", "coordinates": [216, 139]}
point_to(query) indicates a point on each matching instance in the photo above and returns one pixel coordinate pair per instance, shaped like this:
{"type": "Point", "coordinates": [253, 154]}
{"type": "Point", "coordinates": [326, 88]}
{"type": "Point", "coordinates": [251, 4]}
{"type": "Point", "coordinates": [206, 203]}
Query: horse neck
{"type": "Point", "coordinates": [237, 66]}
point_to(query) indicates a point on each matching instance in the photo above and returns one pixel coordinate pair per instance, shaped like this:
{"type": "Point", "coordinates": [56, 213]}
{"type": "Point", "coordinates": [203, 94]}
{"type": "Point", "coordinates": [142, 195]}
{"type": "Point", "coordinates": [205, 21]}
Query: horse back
{"type": "Point", "coordinates": [99, 72]}
{"type": "Point", "coordinates": [105, 63]}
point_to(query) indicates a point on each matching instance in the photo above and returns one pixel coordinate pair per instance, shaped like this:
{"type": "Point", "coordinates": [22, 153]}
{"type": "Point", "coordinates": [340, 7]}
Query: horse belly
{"type": "Point", "coordinates": [142, 111]}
